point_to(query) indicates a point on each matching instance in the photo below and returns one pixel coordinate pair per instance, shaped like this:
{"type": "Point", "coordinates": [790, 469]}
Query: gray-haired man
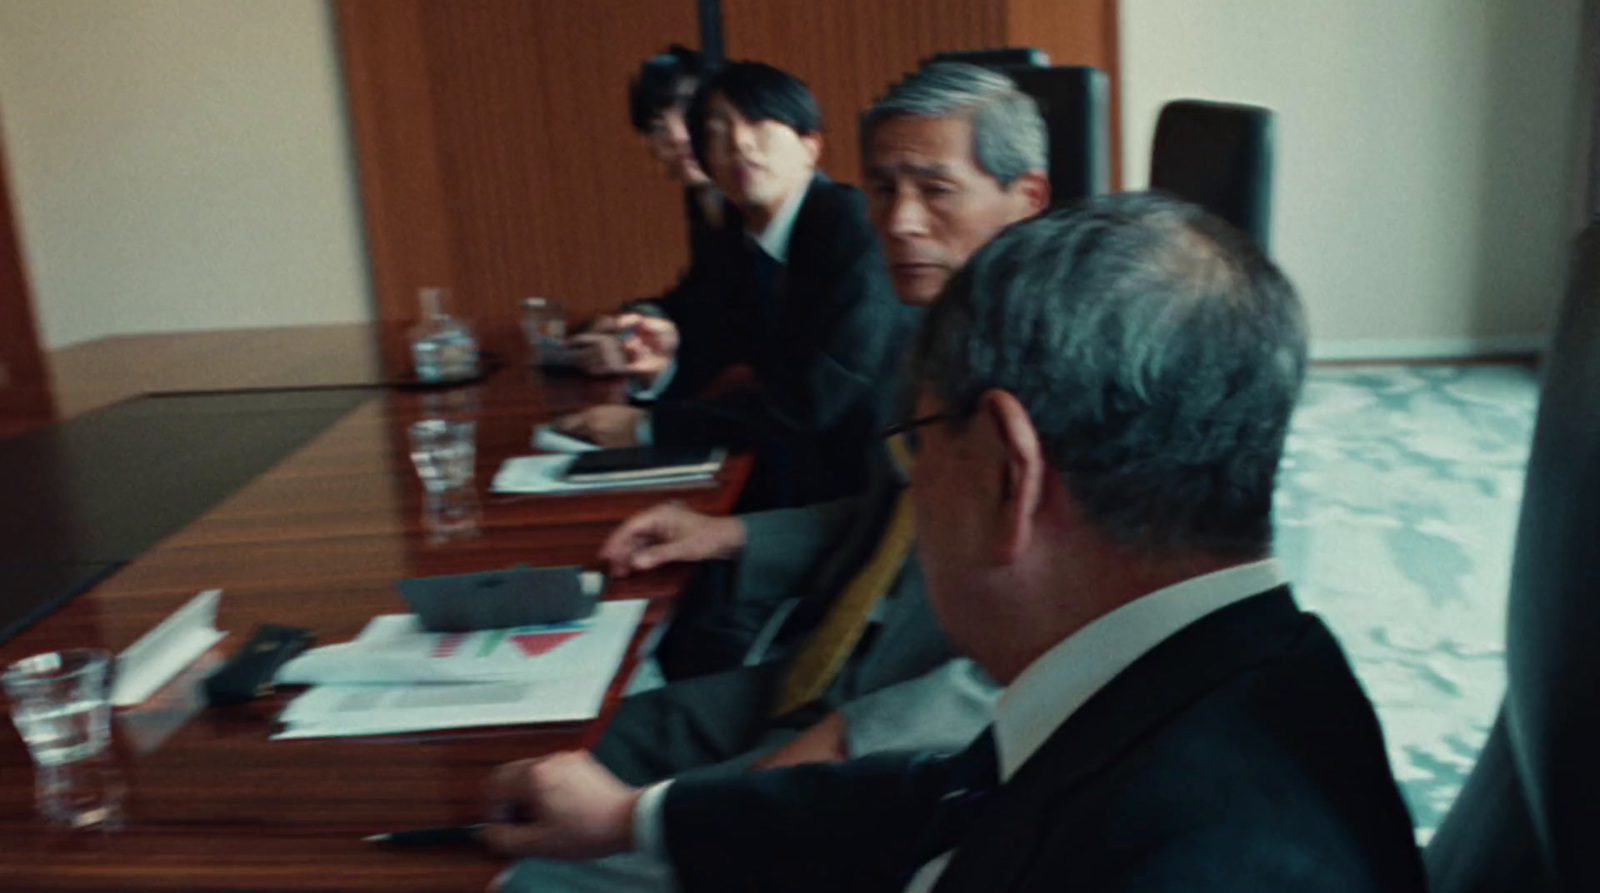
{"type": "Point", "coordinates": [1103, 396]}
{"type": "Point", "coordinates": [952, 155]}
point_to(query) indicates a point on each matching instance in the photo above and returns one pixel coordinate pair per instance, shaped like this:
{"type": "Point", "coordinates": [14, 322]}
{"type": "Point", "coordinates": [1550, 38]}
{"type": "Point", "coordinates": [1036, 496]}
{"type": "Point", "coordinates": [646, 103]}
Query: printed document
{"type": "Point", "coordinates": [396, 677]}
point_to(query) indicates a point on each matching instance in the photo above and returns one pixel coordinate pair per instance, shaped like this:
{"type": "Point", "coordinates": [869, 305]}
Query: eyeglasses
{"type": "Point", "coordinates": [908, 428]}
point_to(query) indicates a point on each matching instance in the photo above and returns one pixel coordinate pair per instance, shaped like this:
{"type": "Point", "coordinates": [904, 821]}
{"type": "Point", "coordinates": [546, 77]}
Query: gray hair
{"type": "Point", "coordinates": [1008, 132]}
{"type": "Point", "coordinates": [1157, 351]}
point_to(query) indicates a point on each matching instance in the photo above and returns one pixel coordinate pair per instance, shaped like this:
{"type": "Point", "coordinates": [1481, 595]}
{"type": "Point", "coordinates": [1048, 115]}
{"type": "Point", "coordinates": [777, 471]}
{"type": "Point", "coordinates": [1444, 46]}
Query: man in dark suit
{"type": "Point", "coordinates": [1103, 398]}
{"type": "Point", "coordinates": [951, 155]}
{"type": "Point", "coordinates": [658, 104]}
{"type": "Point", "coordinates": [813, 314]}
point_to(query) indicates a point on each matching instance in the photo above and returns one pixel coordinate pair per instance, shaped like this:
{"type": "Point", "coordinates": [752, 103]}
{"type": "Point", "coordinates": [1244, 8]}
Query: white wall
{"type": "Point", "coordinates": [1425, 196]}
{"type": "Point", "coordinates": [184, 164]}
{"type": "Point", "coordinates": [180, 164]}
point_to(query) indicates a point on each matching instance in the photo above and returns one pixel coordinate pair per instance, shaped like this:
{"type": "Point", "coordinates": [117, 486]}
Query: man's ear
{"type": "Point", "coordinates": [1023, 471]}
{"type": "Point", "coordinates": [813, 144]}
{"type": "Point", "coordinates": [1033, 187]}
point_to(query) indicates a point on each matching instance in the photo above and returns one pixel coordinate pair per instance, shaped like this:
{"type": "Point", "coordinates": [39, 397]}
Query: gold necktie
{"type": "Point", "coordinates": [815, 665]}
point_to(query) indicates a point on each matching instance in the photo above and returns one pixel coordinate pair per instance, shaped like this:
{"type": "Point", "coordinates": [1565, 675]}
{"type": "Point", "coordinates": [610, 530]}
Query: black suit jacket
{"type": "Point", "coordinates": [698, 302]}
{"type": "Point", "coordinates": [1238, 755]}
{"type": "Point", "coordinates": [824, 346]}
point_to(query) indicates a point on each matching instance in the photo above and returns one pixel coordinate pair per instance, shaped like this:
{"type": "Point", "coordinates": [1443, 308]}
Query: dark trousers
{"type": "Point", "coordinates": [709, 724]}
{"type": "Point", "coordinates": [709, 633]}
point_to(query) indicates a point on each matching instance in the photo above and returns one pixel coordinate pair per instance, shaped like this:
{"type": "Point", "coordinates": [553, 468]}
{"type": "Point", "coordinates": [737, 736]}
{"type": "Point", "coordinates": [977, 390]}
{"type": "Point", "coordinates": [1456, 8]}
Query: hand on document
{"type": "Point", "coordinates": [671, 532]}
{"type": "Point", "coordinates": [609, 425]}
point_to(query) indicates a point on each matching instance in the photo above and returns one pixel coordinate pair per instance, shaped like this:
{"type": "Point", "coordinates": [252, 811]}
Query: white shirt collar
{"type": "Point", "coordinates": [774, 240]}
{"type": "Point", "coordinates": [1062, 679]}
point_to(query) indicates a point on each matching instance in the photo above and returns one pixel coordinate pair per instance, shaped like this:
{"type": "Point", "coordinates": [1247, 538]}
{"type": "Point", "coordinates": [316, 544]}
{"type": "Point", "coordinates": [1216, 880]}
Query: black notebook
{"type": "Point", "coordinates": [517, 596]}
{"type": "Point", "coordinates": [644, 464]}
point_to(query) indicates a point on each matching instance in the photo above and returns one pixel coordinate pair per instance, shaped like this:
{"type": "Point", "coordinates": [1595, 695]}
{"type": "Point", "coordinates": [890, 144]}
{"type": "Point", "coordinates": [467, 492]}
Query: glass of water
{"type": "Point", "coordinates": [60, 704]}
{"type": "Point", "coordinates": [544, 325]}
{"type": "Point", "coordinates": [444, 452]}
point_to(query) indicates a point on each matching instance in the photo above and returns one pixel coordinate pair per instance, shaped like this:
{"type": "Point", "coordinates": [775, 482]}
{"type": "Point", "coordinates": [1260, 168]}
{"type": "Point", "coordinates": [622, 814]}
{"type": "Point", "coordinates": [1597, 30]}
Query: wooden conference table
{"type": "Point", "coordinates": [317, 541]}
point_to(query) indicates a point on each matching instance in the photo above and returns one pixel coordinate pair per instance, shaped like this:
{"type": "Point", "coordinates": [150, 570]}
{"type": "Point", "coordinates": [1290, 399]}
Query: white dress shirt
{"type": "Point", "coordinates": [774, 242]}
{"type": "Point", "coordinates": [1059, 682]}
{"type": "Point", "coordinates": [775, 238]}
{"type": "Point", "coordinates": [1064, 678]}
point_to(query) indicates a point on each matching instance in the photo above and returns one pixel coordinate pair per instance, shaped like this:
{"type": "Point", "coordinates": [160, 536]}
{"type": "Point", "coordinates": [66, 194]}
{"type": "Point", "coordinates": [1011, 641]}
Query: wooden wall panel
{"type": "Point", "coordinates": [495, 154]}
{"type": "Point", "coordinates": [23, 381]}
{"type": "Point", "coordinates": [849, 51]}
{"type": "Point", "coordinates": [492, 140]}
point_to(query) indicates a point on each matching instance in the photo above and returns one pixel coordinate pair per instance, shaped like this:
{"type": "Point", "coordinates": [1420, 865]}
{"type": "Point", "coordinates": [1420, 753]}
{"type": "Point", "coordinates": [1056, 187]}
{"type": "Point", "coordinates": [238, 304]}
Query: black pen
{"type": "Point", "coordinates": [448, 835]}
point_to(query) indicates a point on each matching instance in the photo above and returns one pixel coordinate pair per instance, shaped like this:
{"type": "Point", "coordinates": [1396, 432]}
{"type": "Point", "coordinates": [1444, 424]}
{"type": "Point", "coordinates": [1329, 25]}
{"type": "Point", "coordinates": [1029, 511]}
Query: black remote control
{"type": "Point", "coordinates": [248, 674]}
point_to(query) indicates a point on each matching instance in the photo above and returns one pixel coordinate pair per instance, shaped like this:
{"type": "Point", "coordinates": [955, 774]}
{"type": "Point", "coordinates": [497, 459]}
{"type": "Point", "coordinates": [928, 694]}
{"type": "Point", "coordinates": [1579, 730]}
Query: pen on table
{"type": "Point", "coordinates": [447, 835]}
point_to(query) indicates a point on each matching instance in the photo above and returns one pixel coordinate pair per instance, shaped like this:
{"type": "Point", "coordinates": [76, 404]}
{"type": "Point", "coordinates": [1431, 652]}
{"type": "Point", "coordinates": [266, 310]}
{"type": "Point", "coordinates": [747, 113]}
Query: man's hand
{"type": "Point", "coordinates": [628, 344]}
{"type": "Point", "coordinates": [605, 322]}
{"type": "Point", "coordinates": [650, 347]}
{"type": "Point", "coordinates": [568, 805]}
{"type": "Point", "coordinates": [670, 532]}
{"type": "Point", "coordinates": [599, 354]}
{"type": "Point", "coordinates": [822, 743]}
{"type": "Point", "coordinates": [605, 425]}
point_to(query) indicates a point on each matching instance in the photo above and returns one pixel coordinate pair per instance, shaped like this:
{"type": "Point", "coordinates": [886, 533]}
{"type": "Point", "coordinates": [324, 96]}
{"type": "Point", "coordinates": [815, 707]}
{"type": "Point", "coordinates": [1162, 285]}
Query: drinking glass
{"type": "Point", "coordinates": [452, 516]}
{"type": "Point", "coordinates": [60, 704]}
{"type": "Point", "coordinates": [444, 452]}
{"type": "Point", "coordinates": [85, 794]}
{"type": "Point", "coordinates": [544, 325]}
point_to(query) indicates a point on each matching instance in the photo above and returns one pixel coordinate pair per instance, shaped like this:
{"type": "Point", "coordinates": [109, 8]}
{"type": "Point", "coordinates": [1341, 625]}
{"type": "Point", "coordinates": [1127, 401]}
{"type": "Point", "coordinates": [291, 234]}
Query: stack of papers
{"type": "Point", "coordinates": [543, 474]}
{"type": "Point", "coordinates": [397, 677]}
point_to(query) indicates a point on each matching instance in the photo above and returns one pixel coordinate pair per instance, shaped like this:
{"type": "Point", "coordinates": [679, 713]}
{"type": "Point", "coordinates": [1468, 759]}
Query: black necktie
{"type": "Point", "coordinates": [765, 270]}
{"type": "Point", "coordinates": [971, 775]}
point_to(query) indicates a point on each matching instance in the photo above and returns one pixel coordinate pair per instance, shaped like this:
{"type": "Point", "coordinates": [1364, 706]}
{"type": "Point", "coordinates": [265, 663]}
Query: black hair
{"type": "Point", "coordinates": [760, 92]}
{"type": "Point", "coordinates": [664, 80]}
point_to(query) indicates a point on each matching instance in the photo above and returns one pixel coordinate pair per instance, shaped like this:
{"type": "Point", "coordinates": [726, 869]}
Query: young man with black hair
{"type": "Point", "coordinates": [658, 102]}
{"type": "Point", "coordinates": [813, 313]}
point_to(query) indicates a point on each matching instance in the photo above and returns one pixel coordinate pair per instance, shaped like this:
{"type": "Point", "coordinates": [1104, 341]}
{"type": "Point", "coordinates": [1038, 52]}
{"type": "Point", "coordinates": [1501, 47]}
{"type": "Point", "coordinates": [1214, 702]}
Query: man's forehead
{"type": "Point", "coordinates": [890, 167]}
{"type": "Point", "coordinates": [919, 146]}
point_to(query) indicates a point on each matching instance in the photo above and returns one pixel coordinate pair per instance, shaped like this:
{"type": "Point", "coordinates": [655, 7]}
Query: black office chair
{"type": "Point", "coordinates": [998, 57]}
{"type": "Point", "coordinates": [1527, 817]}
{"type": "Point", "coordinates": [1219, 156]}
{"type": "Point", "coordinates": [1076, 102]}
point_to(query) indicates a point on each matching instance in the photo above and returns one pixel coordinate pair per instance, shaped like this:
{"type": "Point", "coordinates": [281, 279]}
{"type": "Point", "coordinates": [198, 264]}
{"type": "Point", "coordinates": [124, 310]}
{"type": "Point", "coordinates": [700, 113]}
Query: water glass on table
{"type": "Point", "coordinates": [444, 452]}
{"type": "Point", "coordinates": [60, 704]}
{"type": "Point", "coordinates": [544, 325]}
{"type": "Point", "coordinates": [443, 348]}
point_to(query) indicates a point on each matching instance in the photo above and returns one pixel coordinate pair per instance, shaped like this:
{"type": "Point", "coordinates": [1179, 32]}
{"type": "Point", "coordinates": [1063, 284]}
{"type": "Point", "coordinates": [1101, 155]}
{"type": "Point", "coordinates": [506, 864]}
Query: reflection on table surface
{"type": "Point", "coordinates": [206, 801]}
